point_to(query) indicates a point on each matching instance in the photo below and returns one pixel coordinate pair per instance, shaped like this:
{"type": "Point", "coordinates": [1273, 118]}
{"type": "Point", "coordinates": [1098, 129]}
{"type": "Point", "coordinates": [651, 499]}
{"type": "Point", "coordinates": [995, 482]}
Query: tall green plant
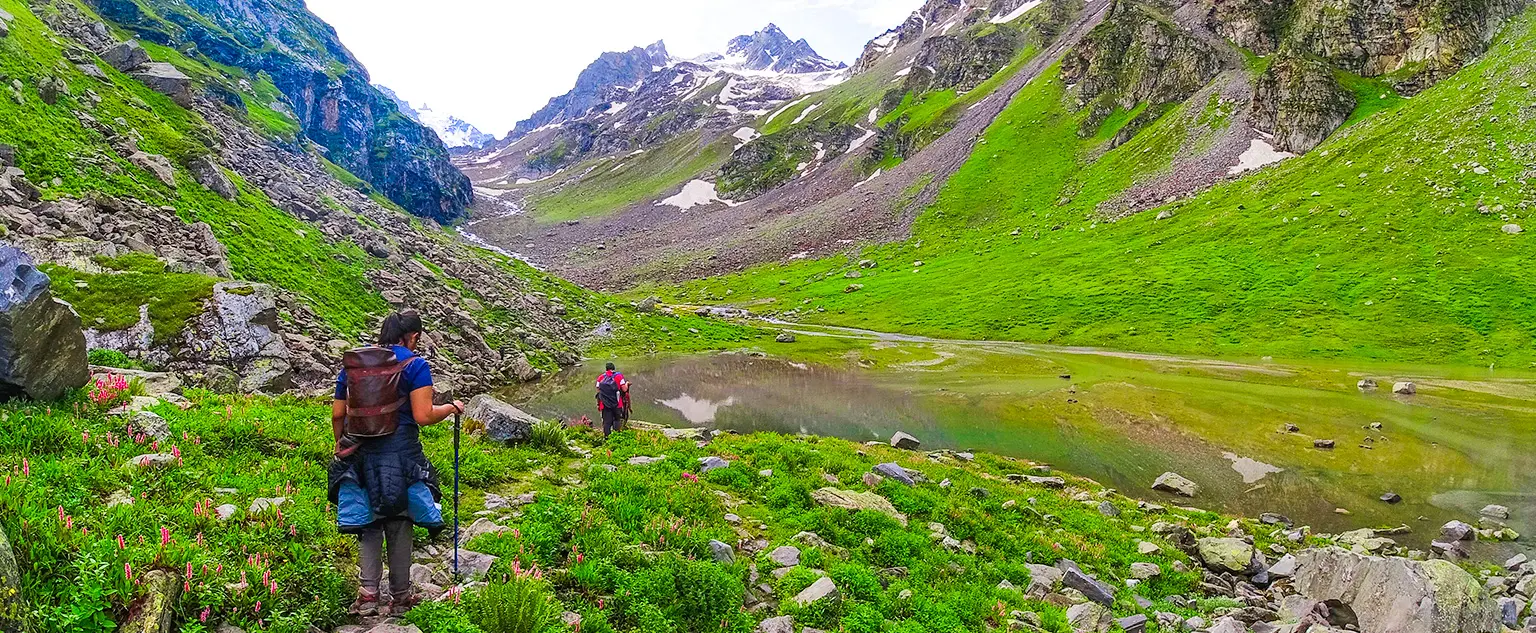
{"type": "Point", "coordinates": [522, 604]}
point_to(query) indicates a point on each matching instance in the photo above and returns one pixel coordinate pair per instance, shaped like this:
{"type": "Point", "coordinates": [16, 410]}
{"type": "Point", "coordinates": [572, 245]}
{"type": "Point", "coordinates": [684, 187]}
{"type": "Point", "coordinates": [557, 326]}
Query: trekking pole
{"type": "Point", "coordinates": [456, 416]}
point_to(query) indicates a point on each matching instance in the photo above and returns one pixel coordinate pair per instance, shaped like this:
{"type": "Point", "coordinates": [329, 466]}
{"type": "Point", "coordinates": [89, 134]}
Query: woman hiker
{"type": "Point", "coordinates": [612, 399]}
{"type": "Point", "coordinates": [380, 480]}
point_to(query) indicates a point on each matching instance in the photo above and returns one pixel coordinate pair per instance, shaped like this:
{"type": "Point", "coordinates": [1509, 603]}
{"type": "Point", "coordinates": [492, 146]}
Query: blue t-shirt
{"type": "Point", "coordinates": [415, 376]}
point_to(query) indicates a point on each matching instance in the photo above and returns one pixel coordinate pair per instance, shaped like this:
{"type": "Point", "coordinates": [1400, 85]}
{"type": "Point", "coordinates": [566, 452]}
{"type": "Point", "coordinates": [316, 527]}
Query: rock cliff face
{"type": "Point", "coordinates": [42, 352]}
{"type": "Point", "coordinates": [961, 62]}
{"type": "Point", "coordinates": [1299, 101]}
{"type": "Point", "coordinates": [1416, 43]}
{"type": "Point", "coordinates": [1137, 55]}
{"type": "Point", "coordinates": [326, 89]}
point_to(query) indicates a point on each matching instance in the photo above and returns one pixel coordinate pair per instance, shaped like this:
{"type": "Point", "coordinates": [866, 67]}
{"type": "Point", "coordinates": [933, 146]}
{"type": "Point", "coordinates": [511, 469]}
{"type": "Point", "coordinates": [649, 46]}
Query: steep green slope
{"type": "Point", "coordinates": [1385, 242]}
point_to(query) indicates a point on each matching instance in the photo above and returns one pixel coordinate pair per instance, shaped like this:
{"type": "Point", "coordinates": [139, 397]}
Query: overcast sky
{"type": "Point", "coordinates": [494, 62]}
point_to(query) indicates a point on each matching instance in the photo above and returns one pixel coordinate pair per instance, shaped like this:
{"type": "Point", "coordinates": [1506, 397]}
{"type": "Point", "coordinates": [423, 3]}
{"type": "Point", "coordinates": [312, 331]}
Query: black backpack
{"type": "Point", "coordinates": [608, 391]}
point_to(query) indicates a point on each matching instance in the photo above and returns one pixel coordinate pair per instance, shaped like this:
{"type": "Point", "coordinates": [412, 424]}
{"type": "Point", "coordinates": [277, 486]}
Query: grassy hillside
{"type": "Point", "coordinates": [1384, 243]}
{"type": "Point", "coordinates": [624, 545]}
{"type": "Point", "coordinates": [610, 184]}
{"type": "Point", "coordinates": [67, 158]}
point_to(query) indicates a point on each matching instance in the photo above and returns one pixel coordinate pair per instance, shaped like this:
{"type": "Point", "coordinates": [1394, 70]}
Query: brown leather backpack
{"type": "Point", "coordinates": [373, 391]}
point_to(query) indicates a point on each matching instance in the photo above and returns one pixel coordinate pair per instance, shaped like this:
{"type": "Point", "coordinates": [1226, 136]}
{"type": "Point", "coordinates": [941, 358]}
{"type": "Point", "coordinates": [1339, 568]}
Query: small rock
{"type": "Point", "coordinates": [1511, 229]}
{"type": "Point", "coordinates": [1454, 531]}
{"type": "Point", "coordinates": [785, 555]}
{"type": "Point", "coordinates": [120, 498]}
{"type": "Point", "coordinates": [722, 552]}
{"type": "Point", "coordinates": [894, 471]}
{"type": "Point", "coordinates": [1133, 623]}
{"type": "Point", "coordinates": [1089, 617]}
{"type": "Point", "coordinates": [1404, 388]}
{"type": "Point", "coordinates": [1144, 548]}
{"type": "Point", "coordinates": [822, 589]}
{"type": "Point", "coordinates": [1392, 497]}
{"type": "Point", "coordinates": [1323, 443]}
{"type": "Point", "coordinates": [1283, 568]}
{"type": "Point", "coordinates": [1143, 571]}
{"type": "Point", "coordinates": [781, 624]}
{"type": "Point", "coordinates": [264, 504]}
{"type": "Point", "coordinates": [872, 480]}
{"type": "Point", "coordinates": [1367, 384]}
{"type": "Point", "coordinates": [226, 512]}
{"type": "Point", "coordinates": [785, 337]}
{"type": "Point", "coordinates": [1494, 511]}
{"type": "Point", "coordinates": [712, 462]}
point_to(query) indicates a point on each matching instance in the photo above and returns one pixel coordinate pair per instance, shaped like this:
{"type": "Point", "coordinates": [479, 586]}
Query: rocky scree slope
{"type": "Point", "coordinates": [320, 85]}
{"type": "Point", "coordinates": [194, 238]}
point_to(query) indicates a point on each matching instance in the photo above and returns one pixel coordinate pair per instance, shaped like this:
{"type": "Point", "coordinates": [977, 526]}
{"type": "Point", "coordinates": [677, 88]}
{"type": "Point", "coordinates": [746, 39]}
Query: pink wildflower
{"type": "Point", "coordinates": [165, 537]}
{"type": "Point", "coordinates": [128, 571]}
{"type": "Point", "coordinates": [204, 616]}
{"type": "Point", "coordinates": [120, 543]}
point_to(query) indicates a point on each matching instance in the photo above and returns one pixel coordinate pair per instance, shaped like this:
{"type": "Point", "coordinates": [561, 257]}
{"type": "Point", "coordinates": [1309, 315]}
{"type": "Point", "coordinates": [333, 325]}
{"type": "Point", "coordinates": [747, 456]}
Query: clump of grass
{"type": "Point", "coordinates": [550, 436]}
{"type": "Point", "coordinates": [520, 604]}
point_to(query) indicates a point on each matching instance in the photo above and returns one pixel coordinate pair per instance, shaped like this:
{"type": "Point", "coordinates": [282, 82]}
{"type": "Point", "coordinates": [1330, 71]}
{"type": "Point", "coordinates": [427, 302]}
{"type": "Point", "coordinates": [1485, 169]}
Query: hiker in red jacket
{"type": "Point", "coordinates": [612, 399]}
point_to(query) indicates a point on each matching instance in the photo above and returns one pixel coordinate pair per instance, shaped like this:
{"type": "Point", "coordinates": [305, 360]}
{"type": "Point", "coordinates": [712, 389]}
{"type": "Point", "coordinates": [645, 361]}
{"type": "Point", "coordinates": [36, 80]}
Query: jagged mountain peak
{"type": "Point", "coordinates": [456, 133]}
{"type": "Point", "coordinates": [771, 49]}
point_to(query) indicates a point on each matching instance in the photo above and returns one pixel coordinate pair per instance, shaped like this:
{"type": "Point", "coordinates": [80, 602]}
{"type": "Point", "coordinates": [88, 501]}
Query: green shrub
{"type": "Point", "coordinates": [110, 358]}
{"type": "Point", "coordinates": [522, 604]}
{"type": "Point", "coordinates": [441, 617]}
{"type": "Point", "coordinates": [549, 435]}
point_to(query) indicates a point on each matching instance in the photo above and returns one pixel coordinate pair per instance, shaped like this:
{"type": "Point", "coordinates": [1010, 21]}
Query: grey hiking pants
{"type": "Point", "coordinates": [399, 532]}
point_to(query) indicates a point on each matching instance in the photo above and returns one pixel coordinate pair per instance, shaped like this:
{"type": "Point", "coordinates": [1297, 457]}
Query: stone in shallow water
{"type": "Point", "coordinates": [1176, 483]}
{"type": "Point", "coordinates": [905, 441]}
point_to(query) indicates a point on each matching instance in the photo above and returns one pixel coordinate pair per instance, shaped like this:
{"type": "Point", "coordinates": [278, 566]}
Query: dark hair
{"type": "Point", "coordinates": [397, 326]}
{"type": "Point", "coordinates": [611, 367]}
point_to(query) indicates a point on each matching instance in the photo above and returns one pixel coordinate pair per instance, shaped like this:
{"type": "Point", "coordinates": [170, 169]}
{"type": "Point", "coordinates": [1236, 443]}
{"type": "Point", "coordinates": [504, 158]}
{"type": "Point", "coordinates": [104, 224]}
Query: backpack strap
{"type": "Point", "coordinates": [363, 412]}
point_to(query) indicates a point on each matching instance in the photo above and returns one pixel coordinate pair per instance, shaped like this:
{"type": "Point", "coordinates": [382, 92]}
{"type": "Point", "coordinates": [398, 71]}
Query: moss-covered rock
{"type": "Point", "coordinates": [1299, 100]}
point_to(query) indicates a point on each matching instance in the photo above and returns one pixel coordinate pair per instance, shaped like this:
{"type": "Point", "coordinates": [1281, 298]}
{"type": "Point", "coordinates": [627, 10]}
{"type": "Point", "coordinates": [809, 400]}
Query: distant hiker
{"type": "Point", "coordinates": [380, 480]}
{"type": "Point", "coordinates": [613, 399]}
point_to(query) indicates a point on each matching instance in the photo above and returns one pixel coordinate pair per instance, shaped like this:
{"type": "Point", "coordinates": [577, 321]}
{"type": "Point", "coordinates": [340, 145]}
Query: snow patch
{"type": "Point", "coordinates": [807, 112]}
{"type": "Point", "coordinates": [800, 255]}
{"type": "Point", "coordinates": [745, 135]}
{"type": "Point", "coordinates": [785, 109]}
{"type": "Point", "coordinates": [871, 177]}
{"type": "Point", "coordinates": [859, 142]}
{"type": "Point", "coordinates": [904, 72]}
{"type": "Point", "coordinates": [1017, 13]}
{"type": "Point", "coordinates": [616, 108]}
{"type": "Point", "coordinates": [821, 151]}
{"type": "Point", "coordinates": [874, 114]}
{"type": "Point", "coordinates": [695, 193]}
{"type": "Point", "coordinates": [1259, 154]}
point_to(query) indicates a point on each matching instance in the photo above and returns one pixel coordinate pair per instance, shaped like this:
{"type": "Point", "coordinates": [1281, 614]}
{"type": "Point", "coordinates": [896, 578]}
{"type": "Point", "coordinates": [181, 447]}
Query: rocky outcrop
{"type": "Point", "coordinates": [1299, 101]}
{"type": "Point", "coordinates": [42, 349]}
{"type": "Point", "coordinates": [502, 422]}
{"type": "Point", "coordinates": [595, 84]}
{"type": "Point", "coordinates": [1397, 595]}
{"type": "Point", "coordinates": [1136, 56]}
{"type": "Point", "coordinates": [962, 62]}
{"type": "Point", "coordinates": [768, 162]}
{"type": "Point", "coordinates": [326, 88]}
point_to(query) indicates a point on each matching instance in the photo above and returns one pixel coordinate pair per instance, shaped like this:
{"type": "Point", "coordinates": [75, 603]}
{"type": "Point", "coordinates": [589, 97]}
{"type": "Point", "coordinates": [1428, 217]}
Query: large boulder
{"type": "Point", "coordinates": [1075, 578]}
{"type": "Point", "coordinates": [157, 611]}
{"type": "Point", "coordinates": [126, 56]}
{"type": "Point", "coordinates": [896, 472]}
{"type": "Point", "coordinates": [42, 348]}
{"type": "Point", "coordinates": [822, 589]}
{"type": "Point", "coordinates": [1089, 617]}
{"type": "Point", "coordinates": [165, 79]}
{"type": "Point", "coordinates": [208, 174]}
{"type": "Point", "coordinates": [1226, 554]}
{"type": "Point", "coordinates": [906, 442]}
{"type": "Point", "coordinates": [1398, 595]}
{"type": "Point", "coordinates": [1176, 483]}
{"type": "Point", "coordinates": [240, 329]}
{"type": "Point", "coordinates": [10, 584]}
{"type": "Point", "coordinates": [503, 422]}
{"type": "Point", "coordinates": [850, 500]}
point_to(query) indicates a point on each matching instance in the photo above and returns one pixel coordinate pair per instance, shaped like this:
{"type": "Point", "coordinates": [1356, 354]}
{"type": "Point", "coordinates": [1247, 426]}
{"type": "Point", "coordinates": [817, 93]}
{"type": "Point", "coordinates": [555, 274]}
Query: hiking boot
{"type": "Point", "coordinates": [402, 603]}
{"type": "Point", "coordinates": [367, 603]}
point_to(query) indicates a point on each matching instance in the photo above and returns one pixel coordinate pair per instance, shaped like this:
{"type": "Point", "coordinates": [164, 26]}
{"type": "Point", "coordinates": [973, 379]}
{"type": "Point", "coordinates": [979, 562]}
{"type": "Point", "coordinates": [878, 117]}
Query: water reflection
{"type": "Point", "coordinates": [1251, 469]}
{"type": "Point", "coordinates": [696, 410]}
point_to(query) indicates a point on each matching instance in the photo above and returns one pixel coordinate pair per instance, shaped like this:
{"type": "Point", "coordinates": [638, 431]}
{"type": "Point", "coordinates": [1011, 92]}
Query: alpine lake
{"type": "Point", "coordinates": [1243, 431]}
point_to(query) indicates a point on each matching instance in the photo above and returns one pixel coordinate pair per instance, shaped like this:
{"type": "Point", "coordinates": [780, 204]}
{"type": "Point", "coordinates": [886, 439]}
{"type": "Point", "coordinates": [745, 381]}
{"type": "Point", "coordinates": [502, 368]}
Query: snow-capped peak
{"type": "Point", "coordinates": [454, 132]}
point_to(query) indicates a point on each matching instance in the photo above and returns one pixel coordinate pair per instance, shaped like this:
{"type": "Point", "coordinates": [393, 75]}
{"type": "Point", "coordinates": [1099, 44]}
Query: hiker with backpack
{"type": "Point", "coordinates": [613, 399]}
{"type": "Point", "coordinates": [380, 479]}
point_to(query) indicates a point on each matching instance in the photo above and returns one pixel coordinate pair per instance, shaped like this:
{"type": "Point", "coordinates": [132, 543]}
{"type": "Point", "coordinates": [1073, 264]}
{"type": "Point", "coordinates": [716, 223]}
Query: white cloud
{"type": "Point", "coordinates": [493, 63]}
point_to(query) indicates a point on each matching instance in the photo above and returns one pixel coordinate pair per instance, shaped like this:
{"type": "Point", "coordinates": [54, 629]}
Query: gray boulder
{"type": "Point", "coordinates": [712, 462]}
{"type": "Point", "coordinates": [503, 422]}
{"type": "Point", "coordinates": [208, 174]}
{"type": "Point", "coordinates": [1175, 483]}
{"type": "Point", "coordinates": [785, 555]}
{"type": "Point", "coordinates": [905, 442]}
{"type": "Point", "coordinates": [1398, 595]}
{"type": "Point", "coordinates": [722, 552]}
{"type": "Point", "coordinates": [1074, 577]}
{"type": "Point", "coordinates": [165, 79]}
{"type": "Point", "coordinates": [241, 330]}
{"type": "Point", "coordinates": [472, 565]}
{"type": "Point", "coordinates": [42, 348]}
{"type": "Point", "coordinates": [1089, 617]}
{"type": "Point", "coordinates": [156, 611]}
{"type": "Point", "coordinates": [151, 424]}
{"type": "Point", "coordinates": [822, 589]}
{"type": "Point", "coordinates": [896, 472]}
{"type": "Point", "coordinates": [1226, 554]}
{"type": "Point", "coordinates": [10, 585]}
{"type": "Point", "coordinates": [781, 624]}
{"type": "Point", "coordinates": [126, 56]}
{"type": "Point", "coordinates": [157, 165]}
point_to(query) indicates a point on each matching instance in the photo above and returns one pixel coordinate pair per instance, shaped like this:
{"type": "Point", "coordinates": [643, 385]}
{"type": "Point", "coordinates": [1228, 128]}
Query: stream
{"type": "Point", "coordinates": [1463, 441]}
